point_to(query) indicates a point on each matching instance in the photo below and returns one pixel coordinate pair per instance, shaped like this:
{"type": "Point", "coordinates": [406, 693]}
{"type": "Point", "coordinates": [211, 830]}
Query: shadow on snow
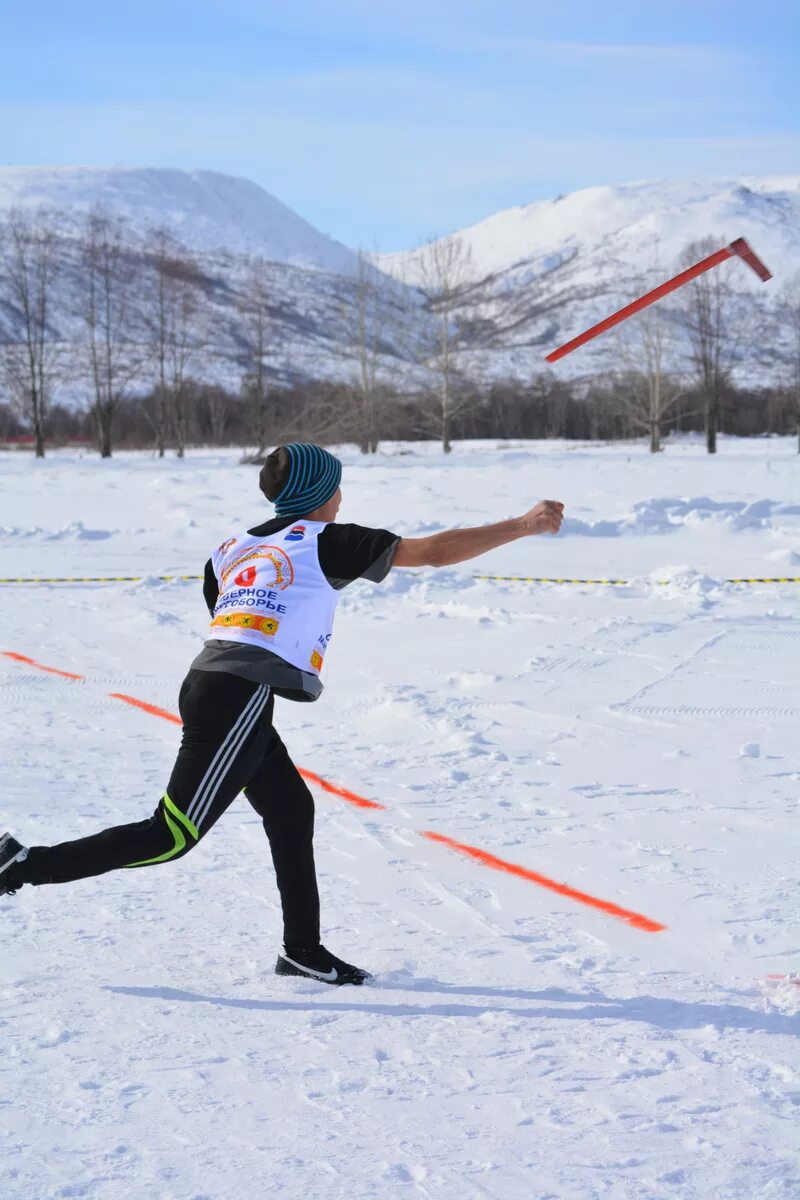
{"type": "Point", "coordinates": [661, 1013]}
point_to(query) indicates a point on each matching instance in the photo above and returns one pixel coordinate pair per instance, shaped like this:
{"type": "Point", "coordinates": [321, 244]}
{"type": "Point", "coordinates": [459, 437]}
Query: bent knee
{"type": "Point", "coordinates": [173, 834]}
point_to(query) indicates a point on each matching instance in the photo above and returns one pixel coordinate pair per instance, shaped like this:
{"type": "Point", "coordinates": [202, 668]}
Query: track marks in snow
{"type": "Point", "coordinates": [756, 672]}
{"type": "Point", "coordinates": [760, 713]}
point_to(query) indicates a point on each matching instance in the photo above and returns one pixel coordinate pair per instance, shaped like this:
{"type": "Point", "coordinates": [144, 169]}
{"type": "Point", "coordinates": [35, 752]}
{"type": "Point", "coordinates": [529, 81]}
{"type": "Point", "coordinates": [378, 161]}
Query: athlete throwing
{"type": "Point", "coordinates": [272, 593]}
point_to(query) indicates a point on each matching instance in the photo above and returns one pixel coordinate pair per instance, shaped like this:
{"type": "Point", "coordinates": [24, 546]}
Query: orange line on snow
{"type": "Point", "coordinates": [499, 864]}
{"type": "Point", "coordinates": [334, 789]}
{"type": "Point", "coordinates": [23, 658]}
{"type": "Point", "coordinates": [637, 920]}
{"type": "Point", "coordinates": [153, 709]}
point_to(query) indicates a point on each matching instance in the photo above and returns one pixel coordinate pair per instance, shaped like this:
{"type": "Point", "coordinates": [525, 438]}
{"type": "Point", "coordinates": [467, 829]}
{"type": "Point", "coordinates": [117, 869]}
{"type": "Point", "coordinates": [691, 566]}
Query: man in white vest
{"type": "Point", "coordinates": [271, 592]}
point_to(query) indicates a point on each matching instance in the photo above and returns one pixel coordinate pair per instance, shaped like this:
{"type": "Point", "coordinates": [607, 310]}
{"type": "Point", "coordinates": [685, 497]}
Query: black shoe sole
{"type": "Point", "coordinates": [355, 977]}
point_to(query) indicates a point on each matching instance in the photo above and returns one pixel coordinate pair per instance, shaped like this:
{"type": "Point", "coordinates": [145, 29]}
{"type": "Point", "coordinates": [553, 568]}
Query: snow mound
{"type": "Point", "coordinates": [75, 531]}
{"type": "Point", "coordinates": [789, 558]}
{"type": "Point", "coordinates": [668, 514]}
{"type": "Point", "coordinates": [782, 993]}
{"type": "Point", "coordinates": [686, 583]}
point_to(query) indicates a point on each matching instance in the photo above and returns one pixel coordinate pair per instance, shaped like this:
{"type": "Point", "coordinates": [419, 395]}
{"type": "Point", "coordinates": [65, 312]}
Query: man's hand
{"type": "Point", "coordinates": [544, 517]}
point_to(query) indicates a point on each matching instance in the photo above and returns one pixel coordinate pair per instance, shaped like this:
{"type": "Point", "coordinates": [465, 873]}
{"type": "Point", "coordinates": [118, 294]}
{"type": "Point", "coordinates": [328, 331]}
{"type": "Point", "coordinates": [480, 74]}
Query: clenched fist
{"type": "Point", "coordinates": [545, 517]}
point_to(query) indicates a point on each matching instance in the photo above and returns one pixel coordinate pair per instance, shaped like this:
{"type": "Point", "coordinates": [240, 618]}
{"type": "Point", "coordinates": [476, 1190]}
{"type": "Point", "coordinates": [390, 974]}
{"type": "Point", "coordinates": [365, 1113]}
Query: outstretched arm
{"type": "Point", "coordinates": [458, 545]}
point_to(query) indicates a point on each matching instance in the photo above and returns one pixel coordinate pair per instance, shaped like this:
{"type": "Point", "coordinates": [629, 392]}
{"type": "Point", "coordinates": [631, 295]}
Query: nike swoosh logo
{"type": "Point", "coordinates": [328, 976]}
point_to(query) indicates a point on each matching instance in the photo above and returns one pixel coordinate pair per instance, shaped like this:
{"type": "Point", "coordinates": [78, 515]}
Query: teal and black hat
{"type": "Point", "coordinates": [314, 476]}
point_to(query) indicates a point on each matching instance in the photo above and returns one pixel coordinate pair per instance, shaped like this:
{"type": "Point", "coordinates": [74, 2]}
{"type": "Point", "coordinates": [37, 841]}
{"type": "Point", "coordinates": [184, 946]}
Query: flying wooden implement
{"type": "Point", "coordinates": [738, 249]}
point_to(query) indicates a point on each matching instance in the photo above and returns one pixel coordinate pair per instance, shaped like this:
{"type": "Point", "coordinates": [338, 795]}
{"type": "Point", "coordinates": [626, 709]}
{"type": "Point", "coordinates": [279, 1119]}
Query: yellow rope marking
{"type": "Point", "coordinates": [544, 579]}
{"type": "Point", "coordinates": [493, 578]}
{"type": "Point", "coordinates": [627, 582]}
{"type": "Point", "coordinates": [101, 579]}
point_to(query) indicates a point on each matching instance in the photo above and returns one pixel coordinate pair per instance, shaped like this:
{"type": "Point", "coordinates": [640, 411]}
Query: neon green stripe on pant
{"type": "Point", "coordinates": [176, 828]}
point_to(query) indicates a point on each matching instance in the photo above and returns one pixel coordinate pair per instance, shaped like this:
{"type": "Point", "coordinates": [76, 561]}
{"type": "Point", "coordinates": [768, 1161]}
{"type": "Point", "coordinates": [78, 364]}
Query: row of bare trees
{"type": "Point", "coordinates": [329, 413]}
{"type": "Point", "coordinates": [29, 353]}
{"type": "Point", "coordinates": [127, 314]}
{"type": "Point", "coordinates": [138, 311]}
{"type": "Point", "coordinates": [138, 324]}
{"type": "Point", "coordinates": [710, 320]}
{"type": "Point", "coordinates": [93, 304]}
{"type": "Point", "coordinates": [655, 388]}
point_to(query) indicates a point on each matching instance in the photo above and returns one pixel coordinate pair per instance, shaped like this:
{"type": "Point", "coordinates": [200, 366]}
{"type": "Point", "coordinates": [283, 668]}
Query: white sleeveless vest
{"type": "Point", "coordinates": [273, 594]}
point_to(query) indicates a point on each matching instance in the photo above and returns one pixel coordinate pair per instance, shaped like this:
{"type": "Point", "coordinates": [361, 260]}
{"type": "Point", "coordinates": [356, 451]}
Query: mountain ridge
{"type": "Point", "coordinates": [207, 210]}
{"type": "Point", "coordinates": [608, 209]}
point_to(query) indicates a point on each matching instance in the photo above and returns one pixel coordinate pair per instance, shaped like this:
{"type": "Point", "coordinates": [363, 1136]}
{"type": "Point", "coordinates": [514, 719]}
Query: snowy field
{"type": "Point", "coordinates": [638, 744]}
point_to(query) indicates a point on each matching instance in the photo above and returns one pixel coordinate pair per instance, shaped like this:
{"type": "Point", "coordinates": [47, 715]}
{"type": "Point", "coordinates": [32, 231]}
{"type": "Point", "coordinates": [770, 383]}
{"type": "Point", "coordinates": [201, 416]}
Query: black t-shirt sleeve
{"type": "Point", "coordinates": [349, 552]}
{"type": "Point", "coordinates": [210, 587]}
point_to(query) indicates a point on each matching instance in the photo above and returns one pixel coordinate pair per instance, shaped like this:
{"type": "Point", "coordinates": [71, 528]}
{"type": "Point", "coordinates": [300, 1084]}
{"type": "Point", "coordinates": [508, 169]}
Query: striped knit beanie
{"type": "Point", "coordinates": [314, 476]}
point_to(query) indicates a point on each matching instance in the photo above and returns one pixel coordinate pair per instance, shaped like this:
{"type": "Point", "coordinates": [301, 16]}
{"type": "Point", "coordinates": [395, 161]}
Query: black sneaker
{"type": "Point", "coordinates": [318, 963]}
{"type": "Point", "coordinates": [11, 852]}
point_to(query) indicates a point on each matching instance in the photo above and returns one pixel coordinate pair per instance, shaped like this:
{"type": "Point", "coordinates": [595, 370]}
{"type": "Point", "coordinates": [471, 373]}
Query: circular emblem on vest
{"type": "Point", "coordinates": [279, 575]}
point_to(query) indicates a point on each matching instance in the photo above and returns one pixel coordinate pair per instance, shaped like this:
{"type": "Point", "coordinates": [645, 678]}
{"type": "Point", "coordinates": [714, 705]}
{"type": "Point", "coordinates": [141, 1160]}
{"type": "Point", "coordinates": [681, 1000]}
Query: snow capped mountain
{"type": "Point", "coordinates": [642, 221]}
{"type": "Point", "coordinates": [541, 273]}
{"type": "Point", "coordinates": [206, 210]}
{"type": "Point", "coordinates": [224, 224]}
{"type": "Point", "coordinates": [538, 275]}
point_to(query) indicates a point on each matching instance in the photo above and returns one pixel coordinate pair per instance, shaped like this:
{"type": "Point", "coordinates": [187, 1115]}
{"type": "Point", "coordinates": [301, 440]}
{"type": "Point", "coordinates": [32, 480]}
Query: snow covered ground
{"type": "Point", "coordinates": [639, 744]}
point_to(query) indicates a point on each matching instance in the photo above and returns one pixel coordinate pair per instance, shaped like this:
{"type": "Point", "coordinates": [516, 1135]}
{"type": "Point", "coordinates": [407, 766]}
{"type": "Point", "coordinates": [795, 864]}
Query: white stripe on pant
{"type": "Point", "coordinates": [235, 739]}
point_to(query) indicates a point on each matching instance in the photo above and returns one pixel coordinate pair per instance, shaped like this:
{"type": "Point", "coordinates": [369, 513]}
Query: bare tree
{"type": "Point", "coordinates": [790, 311]}
{"type": "Point", "coordinates": [705, 315]}
{"type": "Point", "coordinates": [182, 311]}
{"type": "Point", "coordinates": [371, 313]}
{"type": "Point", "coordinates": [30, 356]}
{"type": "Point", "coordinates": [216, 404]}
{"type": "Point", "coordinates": [650, 389]}
{"type": "Point", "coordinates": [161, 254]}
{"type": "Point", "coordinates": [108, 311]}
{"type": "Point", "coordinates": [214, 415]}
{"type": "Point", "coordinates": [445, 267]}
{"type": "Point", "coordinates": [385, 322]}
{"type": "Point", "coordinates": [172, 318]}
{"type": "Point", "coordinates": [256, 329]}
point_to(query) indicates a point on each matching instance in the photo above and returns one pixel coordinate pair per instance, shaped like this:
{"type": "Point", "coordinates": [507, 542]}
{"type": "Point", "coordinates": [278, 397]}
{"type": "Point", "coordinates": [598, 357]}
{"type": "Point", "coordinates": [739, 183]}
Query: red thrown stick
{"type": "Point", "coordinates": [738, 249]}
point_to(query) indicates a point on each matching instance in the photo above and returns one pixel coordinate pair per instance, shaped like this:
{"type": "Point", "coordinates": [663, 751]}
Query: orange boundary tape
{"type": "Point", "coordinates": [563, 889]}
{"type": "Point", "coordinates": [23, 658]}
{"type": "Point", "coordinates": [634, 919]}
{"type": "Point", "coordinates": [335, 790]}
{"type": "Point", "coordinates": [153, 709]}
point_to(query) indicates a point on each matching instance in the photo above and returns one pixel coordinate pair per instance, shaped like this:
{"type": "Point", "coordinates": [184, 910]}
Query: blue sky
{"type": "Point", "coordinates": [384, 122]}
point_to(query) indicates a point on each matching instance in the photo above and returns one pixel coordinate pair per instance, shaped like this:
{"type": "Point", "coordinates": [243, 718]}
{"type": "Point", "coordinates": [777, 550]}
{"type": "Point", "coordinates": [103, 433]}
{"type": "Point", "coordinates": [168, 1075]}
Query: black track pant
{"type": "Point", "coordinates": [228, 745]}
